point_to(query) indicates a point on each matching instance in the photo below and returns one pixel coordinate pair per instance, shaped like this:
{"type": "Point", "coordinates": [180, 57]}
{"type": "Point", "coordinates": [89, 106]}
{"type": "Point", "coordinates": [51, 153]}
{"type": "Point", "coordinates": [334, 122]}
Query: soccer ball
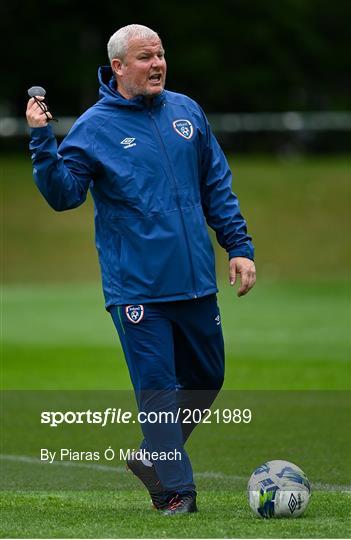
{"type": "Point", "coordinates": [278, 489]}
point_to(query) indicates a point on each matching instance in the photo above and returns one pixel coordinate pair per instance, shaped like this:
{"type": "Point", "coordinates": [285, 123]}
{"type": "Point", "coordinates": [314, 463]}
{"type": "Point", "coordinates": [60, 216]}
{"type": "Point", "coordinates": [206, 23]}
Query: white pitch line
{"type": "Point", "coordinates": [111, 469]}
{"type": "Point", "coordinates": [37, 461]}
{"type": "Point", "coordinates": [104, 468]}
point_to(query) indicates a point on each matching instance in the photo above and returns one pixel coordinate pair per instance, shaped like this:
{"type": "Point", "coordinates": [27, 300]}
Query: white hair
{"type": "Point", "coordinates": [118, 43]}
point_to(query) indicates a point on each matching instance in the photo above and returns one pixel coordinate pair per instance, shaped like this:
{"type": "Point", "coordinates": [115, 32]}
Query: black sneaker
{"type": "Point", "coordinates": [148, 476]}
{"type": "Point", "coordinates": [181, 504]}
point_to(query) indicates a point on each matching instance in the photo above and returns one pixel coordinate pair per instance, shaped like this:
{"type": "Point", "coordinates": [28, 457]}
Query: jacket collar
{"type": "Point", "coordinates": [109, 94]}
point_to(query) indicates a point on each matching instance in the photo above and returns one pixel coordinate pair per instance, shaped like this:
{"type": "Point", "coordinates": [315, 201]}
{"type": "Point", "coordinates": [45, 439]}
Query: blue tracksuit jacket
{"type": "Point", "coordinates": [157, 175]}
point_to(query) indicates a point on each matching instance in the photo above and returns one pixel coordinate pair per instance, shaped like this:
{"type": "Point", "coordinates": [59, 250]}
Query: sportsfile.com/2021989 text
{"type": "Point", "coordinates": [113, 415]}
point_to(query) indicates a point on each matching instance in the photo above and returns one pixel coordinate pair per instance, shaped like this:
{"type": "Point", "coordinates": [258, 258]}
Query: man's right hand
{"type": "Point", "coordinates": [36, 117]}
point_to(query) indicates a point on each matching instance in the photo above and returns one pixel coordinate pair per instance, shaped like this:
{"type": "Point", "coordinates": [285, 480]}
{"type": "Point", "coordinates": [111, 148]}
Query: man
{"type": "Point", "coordinates": [157, 175]}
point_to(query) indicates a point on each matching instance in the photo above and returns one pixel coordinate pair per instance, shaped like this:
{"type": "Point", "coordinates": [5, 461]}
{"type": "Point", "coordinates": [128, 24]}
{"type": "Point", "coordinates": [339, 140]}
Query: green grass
{"type": "Point", "coordinates": [128, 515]}
{"type": "Point", "coordinates": [280, 336]}
{"type": "Point", "coordinates": [298, 213]}
{"type": "Point", "coordinates": [289, 337]}
{"type": "Point", "coordinates": [287, 356]}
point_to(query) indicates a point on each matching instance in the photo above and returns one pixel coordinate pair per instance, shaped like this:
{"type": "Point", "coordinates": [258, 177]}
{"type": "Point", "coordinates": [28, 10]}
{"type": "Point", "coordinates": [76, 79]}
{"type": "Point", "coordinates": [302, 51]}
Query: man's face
{"type": "Point", "coordinates": [142, 72]}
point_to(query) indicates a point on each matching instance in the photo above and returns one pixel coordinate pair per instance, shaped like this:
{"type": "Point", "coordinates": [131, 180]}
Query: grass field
{"type": "Point", "coordinates": [290, 334]}
{"type": "Point", "coordinates": [111, 515]}
{"type": "Point", "coordinates": [281, 336]}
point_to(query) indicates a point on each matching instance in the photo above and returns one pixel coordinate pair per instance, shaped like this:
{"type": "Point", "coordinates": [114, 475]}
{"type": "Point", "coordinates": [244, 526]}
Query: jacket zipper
{"type": "Point", "coordinates": [178, 203]}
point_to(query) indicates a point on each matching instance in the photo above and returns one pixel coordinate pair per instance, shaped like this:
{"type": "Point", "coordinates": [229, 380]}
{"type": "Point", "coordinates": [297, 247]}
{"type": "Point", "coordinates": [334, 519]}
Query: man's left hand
{"type": "Point", "coordinates": [246, 268]}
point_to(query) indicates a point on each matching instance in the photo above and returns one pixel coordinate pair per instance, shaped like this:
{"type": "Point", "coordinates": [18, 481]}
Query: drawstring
{"type": "Point", "coordinates": [44, 108]}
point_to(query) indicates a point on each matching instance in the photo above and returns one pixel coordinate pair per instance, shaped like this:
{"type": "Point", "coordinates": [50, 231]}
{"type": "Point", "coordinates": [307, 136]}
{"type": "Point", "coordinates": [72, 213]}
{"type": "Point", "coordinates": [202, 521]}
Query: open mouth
{"type": "Point", "coordinates": [155, 78]}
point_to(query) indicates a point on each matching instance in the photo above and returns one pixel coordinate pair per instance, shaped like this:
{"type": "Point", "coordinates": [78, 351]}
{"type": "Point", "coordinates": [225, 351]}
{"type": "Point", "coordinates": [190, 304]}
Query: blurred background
{"type": "Point", "coordinates": [234, 57]}
{"type": "Point", "coordinates": [273, 78]}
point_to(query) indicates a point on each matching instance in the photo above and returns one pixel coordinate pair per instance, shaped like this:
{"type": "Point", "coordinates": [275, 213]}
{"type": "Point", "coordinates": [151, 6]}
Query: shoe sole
{"type": "Point", "coordinates": [147, 480]}
{"type": "Point", "coordinates": [179, 513]}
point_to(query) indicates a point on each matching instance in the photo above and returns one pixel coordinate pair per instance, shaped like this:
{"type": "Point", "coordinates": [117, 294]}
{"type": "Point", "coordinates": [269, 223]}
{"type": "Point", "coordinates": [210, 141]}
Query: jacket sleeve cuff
{"type": "Point", "coordinates": [40, 133]}
{"type": "Point", "coordinates": [242, 251]}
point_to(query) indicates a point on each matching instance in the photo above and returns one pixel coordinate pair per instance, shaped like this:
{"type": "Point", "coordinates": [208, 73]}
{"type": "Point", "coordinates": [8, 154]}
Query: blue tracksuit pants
{"type": "Point", "coordinates": [175, 356]}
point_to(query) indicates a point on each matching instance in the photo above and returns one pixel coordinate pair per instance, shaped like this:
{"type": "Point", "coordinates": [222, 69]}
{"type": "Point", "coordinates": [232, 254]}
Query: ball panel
{"type": "Point", "coordinates": [291, 503]}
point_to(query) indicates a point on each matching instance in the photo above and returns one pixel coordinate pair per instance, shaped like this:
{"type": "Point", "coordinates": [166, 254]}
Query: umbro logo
{"type": "Point", "coordinates": [293, 503]}
{"type": "Point", "coordinates": [128, 142]}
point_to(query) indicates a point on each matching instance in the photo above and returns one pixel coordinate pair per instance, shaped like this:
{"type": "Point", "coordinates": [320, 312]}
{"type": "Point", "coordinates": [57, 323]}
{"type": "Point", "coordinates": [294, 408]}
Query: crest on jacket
{"type": "Point", "coordinates": [184, 128]}
{"type": "Point", "coordinates": [135, 313]}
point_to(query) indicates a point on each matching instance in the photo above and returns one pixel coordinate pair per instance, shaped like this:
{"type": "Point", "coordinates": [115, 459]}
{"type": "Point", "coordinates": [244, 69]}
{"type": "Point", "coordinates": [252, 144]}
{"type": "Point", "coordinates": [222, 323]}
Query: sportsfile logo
{"type": "Point", "coordinates": [128, 142]}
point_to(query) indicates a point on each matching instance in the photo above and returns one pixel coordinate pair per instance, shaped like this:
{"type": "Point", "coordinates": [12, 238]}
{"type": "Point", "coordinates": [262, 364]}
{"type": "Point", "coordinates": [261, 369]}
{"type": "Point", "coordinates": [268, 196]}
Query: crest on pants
{"type": "Point", "coordinates": [135, 313]}
{"type": "Point", "coordinates": [184, 128]}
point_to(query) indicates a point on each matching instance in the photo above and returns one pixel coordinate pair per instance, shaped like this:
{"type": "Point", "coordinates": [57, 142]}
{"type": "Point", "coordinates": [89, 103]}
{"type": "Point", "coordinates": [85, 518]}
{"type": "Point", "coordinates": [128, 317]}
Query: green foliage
{"type": "Point", "coordinates": [236, 56]}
